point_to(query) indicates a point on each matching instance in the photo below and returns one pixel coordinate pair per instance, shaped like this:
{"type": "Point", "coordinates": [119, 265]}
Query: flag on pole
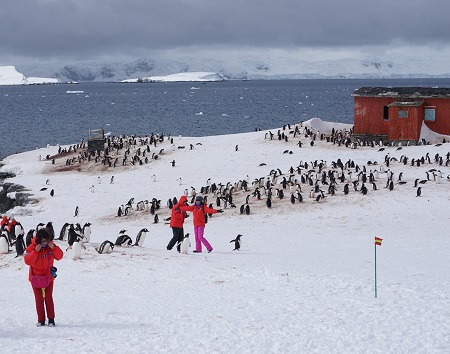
{"type": "Point", "coordinates": [378, 241]}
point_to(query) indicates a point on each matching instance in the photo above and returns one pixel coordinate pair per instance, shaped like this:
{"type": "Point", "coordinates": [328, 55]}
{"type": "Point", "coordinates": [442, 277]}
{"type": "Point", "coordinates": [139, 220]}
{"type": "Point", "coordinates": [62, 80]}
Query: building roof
{"type": "Point", "coordinates": [403, 92]}
{"type": "Point", "coordinates": [406, 104]}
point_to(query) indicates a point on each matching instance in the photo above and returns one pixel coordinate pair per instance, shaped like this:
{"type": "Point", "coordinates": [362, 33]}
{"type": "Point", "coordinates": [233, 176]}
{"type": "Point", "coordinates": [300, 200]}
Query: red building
{"type": "Point", "coordinates": [397, 113]}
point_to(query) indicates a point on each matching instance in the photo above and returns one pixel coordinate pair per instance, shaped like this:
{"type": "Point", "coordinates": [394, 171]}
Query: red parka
{"type": "Point", "coordinates": [41, 261]}
{"type": "Point", "coordinates": [198, 213]}
{"type": "Point", "coordinates": [178, 215]}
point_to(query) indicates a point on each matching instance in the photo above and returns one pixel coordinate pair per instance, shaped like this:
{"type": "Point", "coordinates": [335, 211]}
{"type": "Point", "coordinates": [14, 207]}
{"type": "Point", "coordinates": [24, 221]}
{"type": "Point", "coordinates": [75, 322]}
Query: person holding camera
{"type": "Point", "coordinates": [199, 209]}
{"type": "Point", "coordinates": [40, 255]}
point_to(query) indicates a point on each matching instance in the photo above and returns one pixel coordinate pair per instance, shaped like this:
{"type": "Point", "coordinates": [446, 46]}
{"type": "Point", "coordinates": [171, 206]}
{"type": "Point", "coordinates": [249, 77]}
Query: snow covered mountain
{"type": "Point", "coordinates": [246, 67]}
{"type": "Point", "coordinates": [10, 76]}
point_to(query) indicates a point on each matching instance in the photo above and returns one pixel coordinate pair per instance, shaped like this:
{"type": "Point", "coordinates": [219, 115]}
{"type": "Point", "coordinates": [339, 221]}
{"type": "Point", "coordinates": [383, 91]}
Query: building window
{"type": "Point", "coordinates": [430, 114]}
{"type": "Point", "coordinates": [386, 113]}
{"type": "Point", "coordinates": [402, 113]}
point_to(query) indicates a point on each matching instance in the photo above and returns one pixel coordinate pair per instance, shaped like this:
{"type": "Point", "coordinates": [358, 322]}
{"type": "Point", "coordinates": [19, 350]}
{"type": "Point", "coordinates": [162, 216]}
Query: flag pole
{"type": "Point", "coordinates": [375, 270]}
{"type": "Point", "coordinates": [378, 242]}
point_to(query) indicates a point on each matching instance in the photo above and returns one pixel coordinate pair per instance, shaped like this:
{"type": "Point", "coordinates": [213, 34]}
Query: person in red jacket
{"type": "Point", "coordinates": [40, 255]}
{"type": "Point", "coordinates": [4, 222]}
{"type": "Point", "coordinates": [198, 211]}
{"type": "Point", "coordinates": [176, 223]}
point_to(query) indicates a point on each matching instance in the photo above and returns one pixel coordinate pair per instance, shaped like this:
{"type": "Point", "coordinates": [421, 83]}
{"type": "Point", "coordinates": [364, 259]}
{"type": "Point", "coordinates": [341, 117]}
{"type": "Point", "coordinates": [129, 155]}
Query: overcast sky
{"type": "Point", "coordinates": [75, 30]}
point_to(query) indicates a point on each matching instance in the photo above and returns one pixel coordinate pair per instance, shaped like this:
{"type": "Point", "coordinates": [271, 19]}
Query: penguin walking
{"type": "Point", "coordinates": [52, 192]}
{"type": "Point", "coordinates": [76, 211]}
{"type": "Point", "coordinates": [112, 180]}
{"type": "Point", "coordinates": [237, 242]}
{"type": "Point", "coordinates": [419, 192]}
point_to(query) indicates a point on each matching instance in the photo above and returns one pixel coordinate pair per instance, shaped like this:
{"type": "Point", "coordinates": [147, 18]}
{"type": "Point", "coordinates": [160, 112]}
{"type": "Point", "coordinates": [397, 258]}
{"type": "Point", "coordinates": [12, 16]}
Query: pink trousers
{"type": "Point", "coordinates": [199, 239]}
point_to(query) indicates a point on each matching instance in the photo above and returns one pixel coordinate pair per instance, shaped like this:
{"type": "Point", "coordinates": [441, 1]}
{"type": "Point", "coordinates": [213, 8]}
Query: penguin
{"type": "Point", "coordinates": [242, 209]}
{"type": "Point", "coordinates": [29, 237]}
{"type": "Point", "coordinates": [112, 180]}
{"type": "Point", "coordinates": [50, 229]}
{"type": "Point", "coordinates": [119, 211]}
{"type": "Point", "coordinates": [419, 192]}
{"type": "Point", "coordinates": [64, 232]}
{"type": "Point", "coordinates": [105, 247]}
{"type": "Point", "coordinates": [185, 244]}
{"type": "Point", "coordinates": [20, 246]}
{"type": "Point", "coordinates": [87, 232]}
{"type": "Point", "coordinates": [140, 238]}
{"type": "Point", "coordinates": [292, 199]}
{"type": "Point", "coordinates": [76, 250]}
{"type": "Point", "coordinates": [18, 230]}
{"type": "Point", "coordinates": [99, 180]}
{"type": "Point", "coordinates": [72, 237]}
{"type": "Point", "coordinates": [4, 243]}
{"type": "Point", "coordinates": [40, 226]}
{"type": "Point", "coordinates": [155, 219]}
{"type": "Point", "coordinates": [364, 189]}
{"type": "Point", "coordinates": [269, 203]}
{"type": "Point", "coordinates": [76, 211]}
{"type": "Point", "coordinates": [124, 241]}
{"type": "Point", "coordinates": [237, 242]}
{"type": "Point", "coordinates": [247, 209]}
{"type": "Point", "coordinates": [173, 163]}
{"type": "Point", "coordinates": [52, 192]}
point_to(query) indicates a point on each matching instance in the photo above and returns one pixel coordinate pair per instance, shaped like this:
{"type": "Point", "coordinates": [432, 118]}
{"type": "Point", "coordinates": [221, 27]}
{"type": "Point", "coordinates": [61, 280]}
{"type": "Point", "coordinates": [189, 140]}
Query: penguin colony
{"type": "Point", "coordinates": [301, 184]}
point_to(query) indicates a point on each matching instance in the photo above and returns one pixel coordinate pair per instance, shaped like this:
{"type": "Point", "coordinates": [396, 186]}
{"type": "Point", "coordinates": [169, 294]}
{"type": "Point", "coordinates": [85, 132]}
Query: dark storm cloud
{"type": "Point", "coordinates": [92, 28]}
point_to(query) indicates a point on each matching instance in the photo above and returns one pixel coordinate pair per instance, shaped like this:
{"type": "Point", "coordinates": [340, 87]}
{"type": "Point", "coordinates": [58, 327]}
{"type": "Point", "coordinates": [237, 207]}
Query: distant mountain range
{"type": "Point", "coordinates": [240, 69]}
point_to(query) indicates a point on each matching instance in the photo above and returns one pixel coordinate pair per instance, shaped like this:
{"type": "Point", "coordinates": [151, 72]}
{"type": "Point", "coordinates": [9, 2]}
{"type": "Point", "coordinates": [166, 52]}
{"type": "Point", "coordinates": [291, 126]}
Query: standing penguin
{"type": "Point", "coordinates": [140, 238]}
{"type": "Point", "coordinates": [76, 250]}
{"type": "Point", "coordinates": [4, 243]}
{"type": "Point", "coordinates": [237, 242]}
{"type": "Point", "coordinates": [20, 245]}
{"type": "Point", "coordinates": [87, 232]}
{"type": "Point", "coordinates": [29, 237]}
{"type": "Point", "coordinates": [419, 192]}
{"type": "Point", "coordinates": [185, 244]}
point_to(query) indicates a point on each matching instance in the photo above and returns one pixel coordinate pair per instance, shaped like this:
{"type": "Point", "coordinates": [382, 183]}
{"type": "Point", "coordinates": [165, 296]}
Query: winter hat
{"type": "Point", "coordinates": [199, 199]}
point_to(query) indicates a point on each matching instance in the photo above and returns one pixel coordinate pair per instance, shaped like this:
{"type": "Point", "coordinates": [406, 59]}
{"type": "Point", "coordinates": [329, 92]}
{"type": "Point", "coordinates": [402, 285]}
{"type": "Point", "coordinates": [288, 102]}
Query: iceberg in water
{"type": "Point", "coordinates": [181, 77]}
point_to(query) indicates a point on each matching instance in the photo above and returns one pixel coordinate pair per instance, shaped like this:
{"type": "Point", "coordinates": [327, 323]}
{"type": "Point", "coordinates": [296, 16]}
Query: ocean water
{"type": "Point", "coordinates": [34, 116]}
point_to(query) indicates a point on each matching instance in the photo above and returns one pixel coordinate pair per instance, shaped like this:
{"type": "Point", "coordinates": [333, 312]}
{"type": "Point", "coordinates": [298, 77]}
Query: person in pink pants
{"type": "Point", "coordinates": [199, 209]}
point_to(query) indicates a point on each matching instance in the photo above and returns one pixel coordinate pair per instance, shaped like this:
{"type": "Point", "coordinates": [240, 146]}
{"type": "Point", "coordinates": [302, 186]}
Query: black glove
{"type": "Point", "coordinates": [220, 211]}
{"type": "Point", "coordinates": [186, 216]}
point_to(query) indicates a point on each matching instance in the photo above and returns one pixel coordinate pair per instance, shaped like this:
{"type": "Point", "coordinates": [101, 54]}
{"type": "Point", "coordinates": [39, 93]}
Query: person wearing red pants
{"type": "Point", "coordinates": [40, 255]}
{"type": "Point", "coordinates": [198, 211]}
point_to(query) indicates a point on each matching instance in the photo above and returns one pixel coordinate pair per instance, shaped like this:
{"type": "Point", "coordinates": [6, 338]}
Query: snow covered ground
{"type": "Point", "coordinates": [303, 281]}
